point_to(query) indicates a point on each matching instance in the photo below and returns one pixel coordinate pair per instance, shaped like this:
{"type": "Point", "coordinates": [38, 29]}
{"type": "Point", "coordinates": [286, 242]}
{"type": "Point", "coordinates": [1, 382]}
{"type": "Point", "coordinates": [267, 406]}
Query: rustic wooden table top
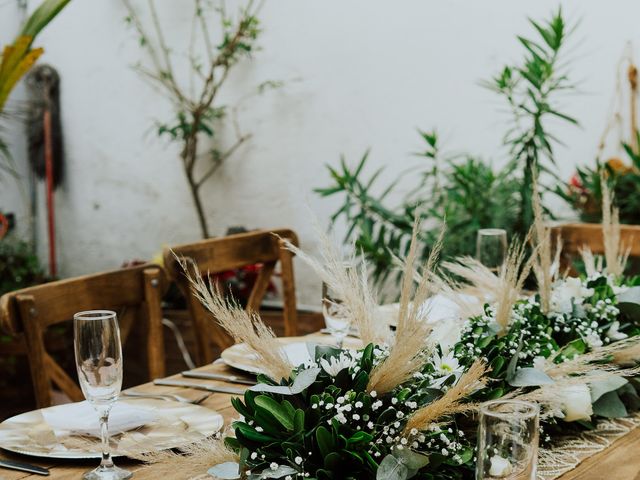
{"type": "Point", "coordinates": [619, 462]}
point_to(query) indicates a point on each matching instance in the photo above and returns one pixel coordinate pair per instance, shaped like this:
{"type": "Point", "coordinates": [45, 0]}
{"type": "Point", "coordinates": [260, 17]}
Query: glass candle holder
{"type": "Point", "coordinates": [507, 440]}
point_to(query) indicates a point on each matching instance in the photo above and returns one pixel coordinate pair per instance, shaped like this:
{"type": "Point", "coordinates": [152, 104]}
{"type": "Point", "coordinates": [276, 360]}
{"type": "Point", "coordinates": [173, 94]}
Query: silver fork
{"type": "Point", "coordinates": [166, 396]}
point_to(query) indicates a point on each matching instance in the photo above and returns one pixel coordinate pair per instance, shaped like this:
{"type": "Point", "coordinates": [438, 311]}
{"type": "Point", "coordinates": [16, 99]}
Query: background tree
{"type": "Point", "coordinates": [197, 113]}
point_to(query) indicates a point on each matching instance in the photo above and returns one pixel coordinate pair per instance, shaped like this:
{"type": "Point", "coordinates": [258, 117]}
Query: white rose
{"type": "Point", "coordinates": [569, 292]}
{"type": "Point", "coordinates": [576, 402]}
{"type": "Point", "coordinates": [613, 332]}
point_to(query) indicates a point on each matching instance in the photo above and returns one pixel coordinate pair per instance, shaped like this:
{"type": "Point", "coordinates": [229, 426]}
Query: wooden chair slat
{"type": "Point", "coordinates": [134, 293]}
{"type": "Point", "coordinates": [64, 382]}
{"type": "Point", "coordinates": [228, 253]}
{"type": "Point", "coordinates": [261, 286]}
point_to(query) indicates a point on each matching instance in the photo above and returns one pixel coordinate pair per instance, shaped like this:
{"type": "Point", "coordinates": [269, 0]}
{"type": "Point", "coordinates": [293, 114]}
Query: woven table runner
{"type": "Point", "coordinates": [567, 453]}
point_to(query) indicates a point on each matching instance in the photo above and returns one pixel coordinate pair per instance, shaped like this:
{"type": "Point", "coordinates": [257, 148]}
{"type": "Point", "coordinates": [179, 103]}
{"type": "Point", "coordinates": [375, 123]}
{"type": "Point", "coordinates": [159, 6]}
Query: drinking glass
{"type": "Point", "coordinates": [507, 440]}
{"type": "Point", "coordinates": [491, 248]}
{"type": "Point", "coordinates": [99, 364]}
{"type": "Point", "coordinates": [336, 316]}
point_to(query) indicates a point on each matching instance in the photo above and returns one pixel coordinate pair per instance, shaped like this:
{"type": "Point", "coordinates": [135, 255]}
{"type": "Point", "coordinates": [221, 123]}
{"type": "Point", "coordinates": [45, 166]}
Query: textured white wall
{"type": "Point", "coordinates": [363, 73]}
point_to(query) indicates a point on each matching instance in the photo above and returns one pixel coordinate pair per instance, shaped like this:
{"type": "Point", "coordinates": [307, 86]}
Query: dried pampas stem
{"type": "Point", "coordinates": [349, 280]}
{"type": "Point", "coordinates": [451, 402]}
{"type": "Point", "coordinates": [616, 261]}
{"type": "Point", "coordinates": [407, 354]}
{"type": "Point", "coordinates": [481, 281]}
{"type": "Point", "coordinates": [592, 264]}
{"type": "Point", "coordinates": [244, 327]}
{"type": "Point", "coordinates": [512, 277]}
{"type": "Point", "coordinates": [191, 461]}
{"type": "Point", "coordinates": [544, 261]}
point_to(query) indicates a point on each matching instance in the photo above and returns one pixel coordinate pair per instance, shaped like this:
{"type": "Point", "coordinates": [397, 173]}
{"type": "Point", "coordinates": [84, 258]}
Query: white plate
{"type": "Point", "coordinates": [241, 357]}
{"type": "Point", "coordinates": [176, 424]}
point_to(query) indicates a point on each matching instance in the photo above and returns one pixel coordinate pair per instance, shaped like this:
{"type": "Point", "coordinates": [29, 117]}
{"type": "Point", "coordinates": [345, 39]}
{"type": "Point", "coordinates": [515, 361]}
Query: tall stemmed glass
{"type": "Point", "coordinates": [507, 440]}
{"type": "Point", "coordinates": [491, 248]}
{"type": "Point", "coordinates": [99, 363]}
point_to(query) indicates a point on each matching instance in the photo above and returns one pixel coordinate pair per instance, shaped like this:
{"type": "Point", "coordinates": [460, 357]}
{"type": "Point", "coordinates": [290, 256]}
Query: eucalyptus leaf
{"type": "Point", "coordinates": [609, 405]}
{"type": "Point", "coordinates": [530, 377]}
{"type": "Point", "coordinates": [303, 380]}
{"type": "Point", "coordinates": [279, 472]}
{"type": "Point", "coordinates": [413, 460]}
{"type": "Point", "coordinates": [609, 384]}
{"type": "Point", "coordinates": [225, 471]}
{"type": "Point", "coordinates": [392, 468]}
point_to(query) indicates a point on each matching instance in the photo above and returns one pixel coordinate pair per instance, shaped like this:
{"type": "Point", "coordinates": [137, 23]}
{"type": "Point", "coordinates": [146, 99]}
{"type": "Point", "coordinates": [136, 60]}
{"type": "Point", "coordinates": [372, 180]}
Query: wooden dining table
{"type": "Point", "coordinates": [621, 461]}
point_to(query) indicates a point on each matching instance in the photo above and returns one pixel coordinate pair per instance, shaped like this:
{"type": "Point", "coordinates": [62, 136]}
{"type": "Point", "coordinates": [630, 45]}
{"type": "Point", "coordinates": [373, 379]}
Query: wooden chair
{"type": "Point", "coordinates": [134, 293]}
{"type": "Point", "coordinates": [577, 235]}
{"type": "Point", "coordinates": [218, 255]}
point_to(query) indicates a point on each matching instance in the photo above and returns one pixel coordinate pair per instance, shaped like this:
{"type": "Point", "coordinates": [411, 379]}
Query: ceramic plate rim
{"type": "Point", "coordinates": [218, 422]}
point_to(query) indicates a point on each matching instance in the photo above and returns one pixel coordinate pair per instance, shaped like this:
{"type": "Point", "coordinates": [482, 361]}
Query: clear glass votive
{"type": "Point", "coordinates": [507, 446]}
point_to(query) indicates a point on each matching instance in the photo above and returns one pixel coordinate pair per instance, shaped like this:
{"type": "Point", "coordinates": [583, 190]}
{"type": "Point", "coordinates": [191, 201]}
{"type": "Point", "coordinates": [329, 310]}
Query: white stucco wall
{"type": "Point", "coordinates": [362, 73]}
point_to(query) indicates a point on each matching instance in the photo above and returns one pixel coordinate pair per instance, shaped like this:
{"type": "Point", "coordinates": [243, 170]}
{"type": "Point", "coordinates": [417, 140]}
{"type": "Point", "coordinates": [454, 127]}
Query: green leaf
{"type": "Point", "coordinates": [276, 409]}
{"type": "Point", "coordinates": [610, 384]}
{"type": "Point", "coordinates": [530, 377]}
{"type": "Point", "coordinates": [225, 471]}
{"type": "Point", "coordinates": [609, 405]}
{"type": "Point", "coordinates": [325, 441]}
{"type": "Point", "coordinates": [392, 468]}
{"type": "Point", "coordinates": [413, 460]}
{"type": "Point", "coordinates": [281, 471]}
{"type": "Point", "coordinates": [41, 17]}
{"type": "Point", "coordinates": [298, 421]}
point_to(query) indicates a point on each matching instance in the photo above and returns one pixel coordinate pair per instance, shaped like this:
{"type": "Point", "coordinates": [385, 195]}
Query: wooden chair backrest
{"type": "Point", "coordinates": [575, 236]}
{"type": "Point", "coordinates": [218, 255]}
{"type": "Point", "coordinates": [134, 293]}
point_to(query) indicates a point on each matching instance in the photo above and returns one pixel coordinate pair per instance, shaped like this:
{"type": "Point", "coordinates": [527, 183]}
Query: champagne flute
{"type": "Point", "coordinates": [491, 248]}
{"type": "Point", "coordinates": [99, 364]}
{"type": "Point", "coordinates": [507, 440]}
{"type": "Point", "coordinates": [336, 316]}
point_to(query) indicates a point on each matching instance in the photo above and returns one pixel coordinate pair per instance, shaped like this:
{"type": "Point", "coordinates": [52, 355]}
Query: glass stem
{"type": "Point", "coordinates": [340, 341]}
{"type": "Point", "coordinates": [106, 462]}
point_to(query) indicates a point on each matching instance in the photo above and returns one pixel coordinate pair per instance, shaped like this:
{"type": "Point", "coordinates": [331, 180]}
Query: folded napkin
{"type": "Point", "coordinates": [82, 419]}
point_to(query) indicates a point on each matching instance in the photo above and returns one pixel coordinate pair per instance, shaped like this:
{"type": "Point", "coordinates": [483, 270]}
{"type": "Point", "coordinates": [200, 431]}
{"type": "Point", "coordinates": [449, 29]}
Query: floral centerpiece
{"type": "Point", "coordinates": [404, 405]}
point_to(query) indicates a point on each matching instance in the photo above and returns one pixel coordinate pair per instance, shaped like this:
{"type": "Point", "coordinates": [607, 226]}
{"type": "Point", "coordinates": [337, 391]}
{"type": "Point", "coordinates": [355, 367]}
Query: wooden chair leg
{"type": "Point", "coordinates": [288, 292]}
{"type": "Point", "coordinates": [155, 340]}
{"type": "Point", "coordinates": [35, 345]}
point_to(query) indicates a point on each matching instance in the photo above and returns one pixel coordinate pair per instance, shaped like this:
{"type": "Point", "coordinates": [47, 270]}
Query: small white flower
{"type": "Point", "coordinates": [273, 466]}
{"type": "Point", "coordinates": [447, 364]}
{"type": "Point", "coordinates": [337, 363]}
{"type": "Point", "coordinates": [298, 460]}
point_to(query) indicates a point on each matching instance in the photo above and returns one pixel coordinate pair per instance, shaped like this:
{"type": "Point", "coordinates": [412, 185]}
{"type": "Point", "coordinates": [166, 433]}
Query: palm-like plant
{"type": "Point", "coordinates": [18, 58]}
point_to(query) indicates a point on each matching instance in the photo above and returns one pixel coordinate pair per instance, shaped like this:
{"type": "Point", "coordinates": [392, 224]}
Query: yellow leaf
{"type": "Point", "coordinates": [23, 66]}
{"type": "Point", "coordinates": [13, 54]}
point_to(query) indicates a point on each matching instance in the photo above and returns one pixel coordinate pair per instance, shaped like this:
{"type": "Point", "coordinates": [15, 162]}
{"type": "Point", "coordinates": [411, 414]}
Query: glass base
{"type": "Point", "coordinates": [110, 473]}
